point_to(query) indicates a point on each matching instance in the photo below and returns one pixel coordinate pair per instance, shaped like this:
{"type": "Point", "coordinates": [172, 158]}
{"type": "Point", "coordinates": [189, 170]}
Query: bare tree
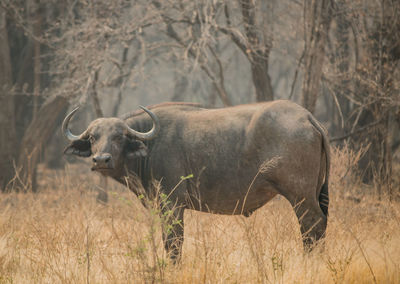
{"type": "Point", "coordinates": [259, 44]}
{"type": "Point", "coordinates": [367, 69]}
{"type": "Point", "coordinates": [380, 97]}
{"type": "Point", "coordinates": [317, 18]}
{"type": "Point", "coordinates": [7, 123]}
{"type": "Point", "coordinates": [34, 142]}
{"type": "Point", "coordinates": [23, 104]}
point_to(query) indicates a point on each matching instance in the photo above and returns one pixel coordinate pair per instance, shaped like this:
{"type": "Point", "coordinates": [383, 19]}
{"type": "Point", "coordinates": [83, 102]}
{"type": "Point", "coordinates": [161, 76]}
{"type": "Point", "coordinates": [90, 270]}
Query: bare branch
{"type": "Point", "coordinates": [170, 31]}
{"type": "Point", "coordinates": [357, 131]}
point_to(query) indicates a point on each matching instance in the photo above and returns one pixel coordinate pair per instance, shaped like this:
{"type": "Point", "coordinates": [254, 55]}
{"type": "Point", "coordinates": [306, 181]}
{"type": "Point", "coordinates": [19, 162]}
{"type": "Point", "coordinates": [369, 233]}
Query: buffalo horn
{"type": "Point", "coordinates": [152, 132]}
{"type": "Point", "coordinates": [65, 130]}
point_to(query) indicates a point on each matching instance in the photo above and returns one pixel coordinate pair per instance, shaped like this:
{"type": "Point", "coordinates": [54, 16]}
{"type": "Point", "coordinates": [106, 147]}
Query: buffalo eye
{"type": "Point", "coordinates": [80, 147]}
{"type": "Point", "coordinates": [91, 139]}
{"type": "Point", "coordinates": [118, 138]}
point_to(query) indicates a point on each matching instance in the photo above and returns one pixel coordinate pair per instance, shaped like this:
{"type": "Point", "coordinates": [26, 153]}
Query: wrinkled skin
{"type": "Point", "coordinates": [224, 149]}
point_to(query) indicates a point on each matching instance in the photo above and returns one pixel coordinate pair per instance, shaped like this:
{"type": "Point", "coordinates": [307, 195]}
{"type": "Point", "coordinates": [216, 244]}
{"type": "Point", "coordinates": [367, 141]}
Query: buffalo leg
{"type": "Point", "coordinates": [173, 232]}
{"type": "Point", "coordinates": [312, 223]}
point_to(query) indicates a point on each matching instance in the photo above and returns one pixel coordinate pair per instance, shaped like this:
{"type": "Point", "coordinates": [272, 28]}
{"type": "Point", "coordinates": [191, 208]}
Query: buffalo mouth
{"type": "Point", "coordinates": [102, 169]}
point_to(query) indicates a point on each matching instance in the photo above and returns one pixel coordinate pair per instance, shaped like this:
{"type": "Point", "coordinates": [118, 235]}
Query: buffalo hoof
{"type": "Point", "coordinates": [247, 213]}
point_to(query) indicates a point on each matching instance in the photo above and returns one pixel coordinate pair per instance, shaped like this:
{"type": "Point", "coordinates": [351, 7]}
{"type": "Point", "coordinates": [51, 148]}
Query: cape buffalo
{"type": "Point", "coordinates": [240, 158]}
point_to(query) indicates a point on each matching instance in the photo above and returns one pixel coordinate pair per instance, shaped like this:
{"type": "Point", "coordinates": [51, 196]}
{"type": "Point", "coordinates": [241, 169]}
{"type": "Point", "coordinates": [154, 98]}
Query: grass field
{"type": "Point", "coordinates": [62, 235]}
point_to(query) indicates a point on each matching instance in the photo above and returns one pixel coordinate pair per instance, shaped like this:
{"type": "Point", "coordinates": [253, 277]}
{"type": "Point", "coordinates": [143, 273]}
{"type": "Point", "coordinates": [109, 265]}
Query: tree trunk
{"type": "Point", "coordinates": [7, 123]}
{"type": "Point", "coordinates": [258, 50]}
{"type": "Point", "coordinates": [180, 87]}
{"type": "Point", "coordinates": [23, 57]}
{"type": "Point", "coordinates": [94, 95]}
{"type": "Point", "coordinates": [120, 81]}
{"type": "Point", "coordinates": [317, 22]}
{"type": "Point", "coordinates": [35, 139]}
{"type": "Point", "coordinates": [341, 61]}
{"type": "Point", "coordinates": [378, 93]}
{"type": "Point", "coordinates": [54, 154]}
{"type": "Point", "coordinates": [36, 20]}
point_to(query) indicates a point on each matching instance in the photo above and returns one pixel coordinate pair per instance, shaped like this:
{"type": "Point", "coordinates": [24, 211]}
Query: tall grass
{"type": "Point", "coordinates": [62, 235]}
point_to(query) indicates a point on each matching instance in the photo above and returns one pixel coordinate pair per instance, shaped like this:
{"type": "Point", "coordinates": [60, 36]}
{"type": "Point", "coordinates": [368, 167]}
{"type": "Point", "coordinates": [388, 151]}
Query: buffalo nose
{"type": "Point", "coordinates": [102, 160]}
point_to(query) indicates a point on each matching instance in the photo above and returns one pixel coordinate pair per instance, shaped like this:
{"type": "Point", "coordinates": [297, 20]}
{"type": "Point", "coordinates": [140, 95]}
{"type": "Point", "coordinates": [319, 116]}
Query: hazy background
{"type": "Point", "coordinates": [337, 58]}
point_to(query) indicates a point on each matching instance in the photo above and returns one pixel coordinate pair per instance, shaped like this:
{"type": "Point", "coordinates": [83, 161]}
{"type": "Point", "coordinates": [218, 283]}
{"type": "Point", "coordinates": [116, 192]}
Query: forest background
{"type": "Point", "coordinates": [337, 58]}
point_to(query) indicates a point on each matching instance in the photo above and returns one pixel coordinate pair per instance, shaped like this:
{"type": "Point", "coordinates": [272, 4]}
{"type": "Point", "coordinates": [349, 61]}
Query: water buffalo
{"type": "Point", "coordinates": [240, 158]}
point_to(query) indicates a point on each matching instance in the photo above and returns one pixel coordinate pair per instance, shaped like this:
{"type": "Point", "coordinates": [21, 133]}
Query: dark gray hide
{"type": "Point", "coordinates": [225, 149]}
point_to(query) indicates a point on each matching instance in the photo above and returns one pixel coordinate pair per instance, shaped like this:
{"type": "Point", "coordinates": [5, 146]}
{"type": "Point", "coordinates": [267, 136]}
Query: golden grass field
{"type": "Point", "coordinates": [62, 235]}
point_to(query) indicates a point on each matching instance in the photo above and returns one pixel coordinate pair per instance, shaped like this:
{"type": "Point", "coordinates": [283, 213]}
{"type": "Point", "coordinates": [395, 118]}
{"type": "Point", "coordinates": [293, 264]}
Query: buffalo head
{"type": "Point", "coordinates": [110, 141]}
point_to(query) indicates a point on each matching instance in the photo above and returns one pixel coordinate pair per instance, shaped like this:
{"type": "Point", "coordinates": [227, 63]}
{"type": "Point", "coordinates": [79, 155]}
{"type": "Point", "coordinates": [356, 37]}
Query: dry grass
{"type": "Point", "coordinates": [62, 235]}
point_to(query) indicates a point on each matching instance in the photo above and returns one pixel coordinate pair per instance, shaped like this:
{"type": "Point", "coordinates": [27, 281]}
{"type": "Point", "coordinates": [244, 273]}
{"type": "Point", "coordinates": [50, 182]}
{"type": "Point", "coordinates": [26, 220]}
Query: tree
{"type": "Point", "coordinates": [36, 136]}
{"type": "Point", "coordinates": [364, 80]}
{"type": "Point", "coordinates": [317, 18]}
{"type": "Point", "coordinates": [7, 123]}
{"type": "Point", "coordinates": [27, 132]}
{"type": "Point", "coordinates": [258, 48]}
{"type": "Point", "coordinates": [380, 96]}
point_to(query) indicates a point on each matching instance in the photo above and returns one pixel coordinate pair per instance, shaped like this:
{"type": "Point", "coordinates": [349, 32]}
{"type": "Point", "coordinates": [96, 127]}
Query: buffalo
{"type": "Point", "coordinates": [239, 158]}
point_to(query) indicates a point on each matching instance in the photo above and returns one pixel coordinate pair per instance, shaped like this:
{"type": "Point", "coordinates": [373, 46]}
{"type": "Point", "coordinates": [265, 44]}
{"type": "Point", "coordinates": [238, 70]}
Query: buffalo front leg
{"type": "Point", "coordinates": [173, 232]}
{"type": "Point", "coordinates": [312, 221]}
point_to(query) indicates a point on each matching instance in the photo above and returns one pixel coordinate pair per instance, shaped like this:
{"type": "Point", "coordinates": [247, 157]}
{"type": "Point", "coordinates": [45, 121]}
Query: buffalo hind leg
{"type": "Point", "coordinates": [173, 232]}
{"type": "Point", "coordinates": [312, 222]}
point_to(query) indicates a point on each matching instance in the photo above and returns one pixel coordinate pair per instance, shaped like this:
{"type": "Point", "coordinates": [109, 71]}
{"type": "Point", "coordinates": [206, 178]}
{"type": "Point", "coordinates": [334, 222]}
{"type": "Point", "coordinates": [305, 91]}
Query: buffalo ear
{"type": "Point", "coordinates": [137, 149]}
{"type": "Point", "coordinates": [79, 147]}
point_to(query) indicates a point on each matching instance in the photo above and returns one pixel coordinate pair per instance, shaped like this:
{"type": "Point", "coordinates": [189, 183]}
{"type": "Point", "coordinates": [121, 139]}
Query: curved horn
{"type": "Point", "coordinates": [152, 132]}
{"type": "Point", "coordinates": [65, 130]}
